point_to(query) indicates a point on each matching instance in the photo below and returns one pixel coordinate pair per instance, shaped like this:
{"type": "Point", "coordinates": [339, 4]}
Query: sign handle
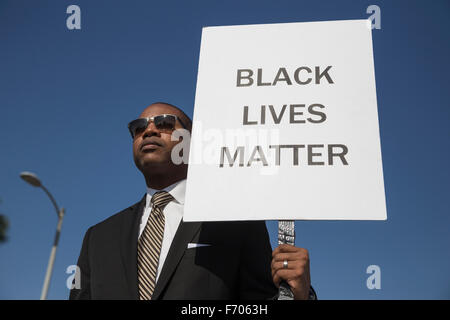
{"type": "Point", "coordinates": [286, 234]}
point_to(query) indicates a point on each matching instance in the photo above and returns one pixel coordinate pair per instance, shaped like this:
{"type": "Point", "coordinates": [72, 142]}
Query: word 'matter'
{"type": "Point", "coordinates": [313, 155]}
{"type": "Point", "coordinates": [302, 75]}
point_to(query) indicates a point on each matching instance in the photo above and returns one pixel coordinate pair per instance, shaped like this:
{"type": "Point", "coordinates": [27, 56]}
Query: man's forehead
{"type": "Point", "coordinates": [159, 108]}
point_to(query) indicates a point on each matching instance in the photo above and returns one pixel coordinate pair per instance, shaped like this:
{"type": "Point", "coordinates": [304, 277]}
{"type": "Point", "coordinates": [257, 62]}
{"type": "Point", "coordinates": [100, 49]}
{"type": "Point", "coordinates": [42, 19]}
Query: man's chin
{"type": "Point", "coordinates": [152, 162]}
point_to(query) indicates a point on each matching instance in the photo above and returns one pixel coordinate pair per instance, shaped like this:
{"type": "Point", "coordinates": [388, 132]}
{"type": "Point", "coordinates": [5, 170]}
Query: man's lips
{"type": "Point", "coordinates": [150, 145]}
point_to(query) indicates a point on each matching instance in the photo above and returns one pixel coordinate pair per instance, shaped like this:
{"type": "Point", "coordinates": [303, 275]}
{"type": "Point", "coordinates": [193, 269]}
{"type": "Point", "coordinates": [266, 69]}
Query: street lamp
{"type": "Point", "coordinates": [32, 179]}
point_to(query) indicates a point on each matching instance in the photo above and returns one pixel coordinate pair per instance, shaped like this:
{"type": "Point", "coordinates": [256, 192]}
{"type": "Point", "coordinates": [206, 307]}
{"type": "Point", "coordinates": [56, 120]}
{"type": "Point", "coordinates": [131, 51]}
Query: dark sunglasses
{"type": "Point", "coordinates": [163, 122]}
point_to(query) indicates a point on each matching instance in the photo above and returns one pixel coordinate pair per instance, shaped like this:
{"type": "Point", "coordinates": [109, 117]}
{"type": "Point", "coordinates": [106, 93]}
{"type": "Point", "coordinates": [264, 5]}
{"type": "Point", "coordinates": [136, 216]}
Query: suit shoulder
{"type": "Point", "coordinates": [118, 217]}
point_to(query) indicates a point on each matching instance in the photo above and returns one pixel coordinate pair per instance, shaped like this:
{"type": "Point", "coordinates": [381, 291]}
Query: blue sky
{"type": "Point", "coordinates": [66, 97]}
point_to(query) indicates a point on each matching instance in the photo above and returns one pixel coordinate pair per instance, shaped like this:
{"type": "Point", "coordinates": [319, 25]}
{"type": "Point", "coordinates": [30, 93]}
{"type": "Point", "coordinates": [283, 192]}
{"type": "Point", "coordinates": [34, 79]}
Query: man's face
{"type": "Point", "coordinates": [152, 148]}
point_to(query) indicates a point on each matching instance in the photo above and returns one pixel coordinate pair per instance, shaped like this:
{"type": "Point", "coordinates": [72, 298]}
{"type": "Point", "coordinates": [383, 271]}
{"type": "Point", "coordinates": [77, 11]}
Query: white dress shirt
{"type": "Point", "coordinates": [173, 212]}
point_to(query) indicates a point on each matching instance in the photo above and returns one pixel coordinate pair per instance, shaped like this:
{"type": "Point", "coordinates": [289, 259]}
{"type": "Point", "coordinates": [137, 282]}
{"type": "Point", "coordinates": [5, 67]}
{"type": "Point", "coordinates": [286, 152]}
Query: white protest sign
{"type": "Point", "coordinates": [286, 125]}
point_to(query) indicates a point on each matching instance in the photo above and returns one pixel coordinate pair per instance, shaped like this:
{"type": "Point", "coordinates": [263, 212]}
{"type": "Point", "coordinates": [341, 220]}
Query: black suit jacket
{"type": "Point", "coordinates": [236, 265]}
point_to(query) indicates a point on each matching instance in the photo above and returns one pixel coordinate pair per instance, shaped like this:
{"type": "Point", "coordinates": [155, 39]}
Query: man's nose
{"type": "Point", "coordinates": [151, 130]}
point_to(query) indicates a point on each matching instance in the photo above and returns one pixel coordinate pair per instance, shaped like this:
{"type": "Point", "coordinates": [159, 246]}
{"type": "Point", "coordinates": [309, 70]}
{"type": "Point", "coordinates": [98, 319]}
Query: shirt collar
{"type": "Point", "coordinates": [176, 190]}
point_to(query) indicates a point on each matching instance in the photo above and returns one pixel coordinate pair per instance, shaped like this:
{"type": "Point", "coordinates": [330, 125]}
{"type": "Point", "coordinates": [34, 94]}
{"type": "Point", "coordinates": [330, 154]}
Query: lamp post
{"type": "Point", "coordinates": [32, 179]}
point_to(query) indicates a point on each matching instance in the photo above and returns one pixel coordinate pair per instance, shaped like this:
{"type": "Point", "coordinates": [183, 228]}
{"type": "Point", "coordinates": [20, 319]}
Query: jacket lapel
{"type": "Point", "coordinates": [186, 231]}
{"type": "Point", "coordinates": [129, 239]}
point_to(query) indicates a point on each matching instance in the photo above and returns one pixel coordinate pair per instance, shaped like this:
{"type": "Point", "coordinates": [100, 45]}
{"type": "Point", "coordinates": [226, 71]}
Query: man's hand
{"type": "Point", "coordinates": [297, 272]}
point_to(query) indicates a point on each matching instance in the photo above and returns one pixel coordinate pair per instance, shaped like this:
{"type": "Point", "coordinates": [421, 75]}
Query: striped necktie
{"type": "Point", "coordinates": [149, 245]}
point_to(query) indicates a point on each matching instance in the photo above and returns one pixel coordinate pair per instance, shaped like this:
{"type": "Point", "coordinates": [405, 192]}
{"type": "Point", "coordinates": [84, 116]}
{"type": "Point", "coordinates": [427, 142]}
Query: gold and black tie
{"type": "Point", "coordinates": [149, 245]}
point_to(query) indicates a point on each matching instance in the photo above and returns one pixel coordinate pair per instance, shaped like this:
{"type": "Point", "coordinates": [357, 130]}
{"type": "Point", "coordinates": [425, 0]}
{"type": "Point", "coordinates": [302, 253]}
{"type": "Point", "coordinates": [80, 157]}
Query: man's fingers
{"type": "Point", "coordinates": [292, 264]}
{"type": "Point", "coordinates": [277, 265]}
{"type": "Point", "coordinates": [290, 256]}
{"type": "Point", "coordinates": [284, 248]}
{"type": "Point", "coordinates": [287, 275]}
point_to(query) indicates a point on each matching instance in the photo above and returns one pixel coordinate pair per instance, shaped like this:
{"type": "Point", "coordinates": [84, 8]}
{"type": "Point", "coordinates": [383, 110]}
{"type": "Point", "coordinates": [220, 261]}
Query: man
{"type": "Point", "coordinates": [147, 252]}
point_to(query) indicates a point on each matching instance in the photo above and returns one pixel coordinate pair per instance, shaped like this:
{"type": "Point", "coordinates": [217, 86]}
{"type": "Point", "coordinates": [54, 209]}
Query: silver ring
{"type": "Point", "coordinates": [285, 264]}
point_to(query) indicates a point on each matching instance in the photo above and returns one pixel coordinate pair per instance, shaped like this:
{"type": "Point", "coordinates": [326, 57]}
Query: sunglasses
{"type": "Point", "coordinates": [163, 122]}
